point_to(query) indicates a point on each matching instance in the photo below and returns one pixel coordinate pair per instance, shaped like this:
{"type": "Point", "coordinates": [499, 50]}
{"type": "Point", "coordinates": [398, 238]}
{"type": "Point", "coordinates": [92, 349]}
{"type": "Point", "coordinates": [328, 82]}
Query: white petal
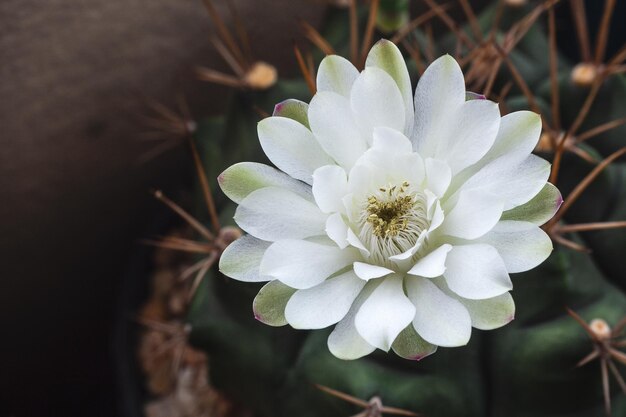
{"type": "Point", "coordinates": [386, 56]}
{"type": "Point", "coordinates": [439, 319]}
{"type": "Point", "coordinates": [476, 272]}
{"type": "Point", "coordinates": [522, 245]}
{"type": "Point", "coordinates": [330, 184]}
{"type": "Point", "coordinates": [273, 213]}
{"type": "Point", "coordinates": [302, 264]}
{"type": "Point", "coordinates": [269, 304]}
{"type": "Point", "coordinates": [345, 342]}
{"type": "Point", "coordinates": [433, 264]}
{"type": "Point", "coordinates": [516, 184]}
{"type": "Point", "coordinates": [491, 313]}
{"type": "Point", "coordinates": [332, 122]}
{"type": "Point", "coordinates": [410, 345]}
{"type": "Point", "coordinates": [293, 109]}
{"type": "Point", "coordinates": [487, 314]}
{"type": "Point", "coordinates": [242, 258]}
{"type": "Point", "coordinates": [325, 304]}
{"type": "Point", "coordinates": [241, 179]}
{"type": "Point", "coordinates": [475, 213]}
{"type": "Point", "coordinates": [376, 101]}
{"type": "Point", "coordinates": [438, 176]}
{"type": "Point", "coordinates": [384, 314]}
{"type": "Point", "coordinates": [539, 209]}
{"type": "Point", "coordinates": [336, 74]}
{"type": "Point", "coordinates": [367, 271]}
{"type": "Point", "coordinates": [291, 147]}
{"type": "Point", "coordinates": [439, 94]}
{"type": "Point", "coordinates": [390, 140]}
{"type": "Point", "coordinates": [337, 230]}
{"type": "Point", "coordinates": [470, 135]}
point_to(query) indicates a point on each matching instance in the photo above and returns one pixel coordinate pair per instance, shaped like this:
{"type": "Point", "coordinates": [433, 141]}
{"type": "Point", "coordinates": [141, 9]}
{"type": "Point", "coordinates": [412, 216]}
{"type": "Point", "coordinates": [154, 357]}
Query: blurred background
{"type": "Point", "coordinates": [74, 185]}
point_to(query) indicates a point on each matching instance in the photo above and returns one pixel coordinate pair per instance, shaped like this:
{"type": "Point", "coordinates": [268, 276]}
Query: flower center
{"type": "Point", "coordinates": [392, 220]}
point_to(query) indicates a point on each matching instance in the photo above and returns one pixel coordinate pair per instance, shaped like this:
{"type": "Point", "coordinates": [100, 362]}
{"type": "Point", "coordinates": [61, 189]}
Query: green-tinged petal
{"type": "Point", "coordinates": [539, 209]}
{"type": "Point", "coordinates": [410, 345]}
{"type": "Point", "coordinates": [386, 56]}
{"type": "Point", "coordinates": [487, 314]}
{"type": "Point", "coordinates": [291, 147]}
{"type": "Point", "coordinates": [336, 74]}
{"type": "Point", "coordinates": [242, 258]}
{"type": "Point", "coordinates": [293, 109]}
{"type": "Point", "coordinates": [269, 304]}
{"type": "Point", "coordinates": [325, 304]}
{"type": "Point", "coordinates": [241, 179]}
{"type": "Point", "coordinates": [522, 245]}
{"type": "Point", "coordinates": [518, 135]}
{"type": "Point", "coordinates": [491, 313]}
{"type": "Point", "coordinates": [273, 213]}
{"type": "Point", "coordinates": [439, 318]}
{"type": "Point", "coordinates": [302, 264]}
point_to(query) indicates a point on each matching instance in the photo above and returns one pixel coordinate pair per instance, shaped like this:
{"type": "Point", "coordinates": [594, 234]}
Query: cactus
{"type": "Point", "coordinates": [527, 368]}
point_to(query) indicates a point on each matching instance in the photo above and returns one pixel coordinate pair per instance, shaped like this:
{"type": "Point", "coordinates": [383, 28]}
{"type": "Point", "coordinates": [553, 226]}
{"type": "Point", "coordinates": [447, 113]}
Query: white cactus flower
{"type": "Point", "coordinates": [398, 219]}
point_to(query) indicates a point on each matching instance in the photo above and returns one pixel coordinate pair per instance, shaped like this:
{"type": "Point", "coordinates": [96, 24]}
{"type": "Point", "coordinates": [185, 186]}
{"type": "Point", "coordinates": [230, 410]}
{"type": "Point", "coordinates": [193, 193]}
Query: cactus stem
{"type": "Point", "coordinates": [586, 227]}
{"type": "Point", "coordinates": [373, 408]}
{"type": "Point", "coordinates": [449, 22]}
{"type": "Point", "coordinates": [600, 129]}
{"type": "Point", "coordinates": [473, 21]}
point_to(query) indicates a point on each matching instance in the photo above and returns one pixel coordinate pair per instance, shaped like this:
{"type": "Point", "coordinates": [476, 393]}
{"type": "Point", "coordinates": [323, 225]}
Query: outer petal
{"type": "Point", "coordinates": [345, 342]}
{"type": "Point", "coordinates": [241, 179]}
{"type": "Point", "coordinates": [293, 109]}
{"type": "Point", "coordinates": [475, 213]}
{"type": "Point", "coordinates": [325, 304]}
{"type": "Point", "coordinates": [330, 184]}
{"type": "Point", "coordinates": [384, 314]}
{"type": "Point", "coordinates": [515, 183]}
{"type": "Point", "coordinates": [476, 272]}
{"type": "Point", "coordinates": [522, 245]}
{"type": "Point", "coordinates": [439, 319]}
{"type": "Point", "coordinates": [336, 74]}
{"type": "Point", "coordinates": [410, 345]}
{"type": "Point", "coordinates": [376, 101]}
{"type": "Point", "coordinates": [433, 264]}
{"type": "Point", "coordinates": [487, 314]}
{"type": "Point", "coordinates": [273, 213]}
{"type": "Point", "coordinates": [291, 147]}
{"type": "Point", "coordinates": [386, 56]}
{"type": "Point", "coordinates": [269, 304]}
{"type": "Point", "coordinates": [334, 127]}
{"type": "Point", "coordinates": [242, 258]}
{"type": "Point", "coordinates": [302, 264]}
{"type": "Point", "coordinates": [439, 94]}
{"type": "Point", "coordinates": [491, 313]}
{"type": "Point", "coordinates": [539, 209]}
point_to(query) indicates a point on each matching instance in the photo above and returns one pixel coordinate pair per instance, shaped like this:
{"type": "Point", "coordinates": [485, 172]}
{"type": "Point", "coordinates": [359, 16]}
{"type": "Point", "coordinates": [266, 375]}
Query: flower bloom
{"type": "Point", "coordinates": [397, 218]}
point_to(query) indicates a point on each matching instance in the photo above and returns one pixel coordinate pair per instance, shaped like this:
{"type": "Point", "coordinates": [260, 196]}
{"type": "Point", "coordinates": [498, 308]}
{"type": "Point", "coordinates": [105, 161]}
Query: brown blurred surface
{"type": "Point", "coordinates": [74, 197]}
